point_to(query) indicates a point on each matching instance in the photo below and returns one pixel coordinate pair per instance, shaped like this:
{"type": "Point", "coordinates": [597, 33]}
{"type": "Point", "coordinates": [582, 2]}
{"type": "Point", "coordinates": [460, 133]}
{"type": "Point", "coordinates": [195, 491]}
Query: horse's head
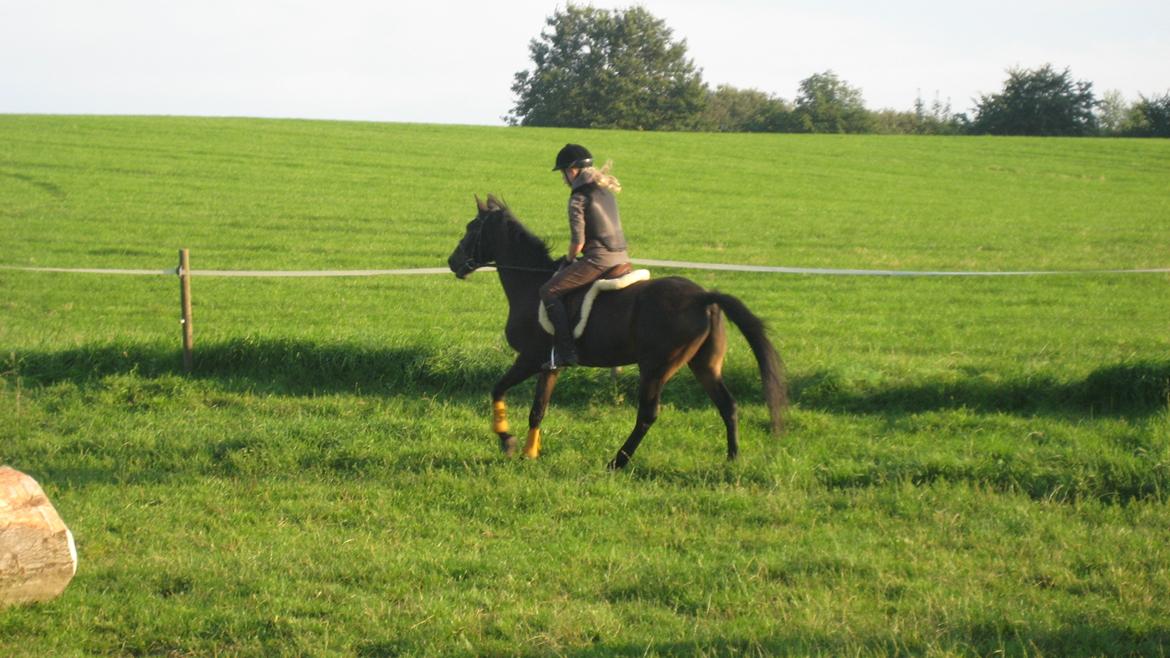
{"type": "Point", "coordinates": [496, 237]}
{"type": "Point", "coordinates": [477, 248]}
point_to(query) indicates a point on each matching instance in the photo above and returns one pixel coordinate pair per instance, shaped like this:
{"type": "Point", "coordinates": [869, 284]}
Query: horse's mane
{"type": "Point", "coordinates": [531, 250]}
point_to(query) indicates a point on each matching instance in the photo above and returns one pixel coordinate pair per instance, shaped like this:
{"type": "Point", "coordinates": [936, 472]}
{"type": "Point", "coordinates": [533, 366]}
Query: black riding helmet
{"type": "Point", "coordinates": [574, 156]}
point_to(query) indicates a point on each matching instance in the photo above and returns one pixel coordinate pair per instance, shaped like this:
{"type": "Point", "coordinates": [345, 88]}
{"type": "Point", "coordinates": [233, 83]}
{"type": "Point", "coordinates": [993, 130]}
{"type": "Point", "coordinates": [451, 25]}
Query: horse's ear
{"type": "Point", "coordinates": [493, 203]}
{"type": "Point", "coordinates": [479, 204]}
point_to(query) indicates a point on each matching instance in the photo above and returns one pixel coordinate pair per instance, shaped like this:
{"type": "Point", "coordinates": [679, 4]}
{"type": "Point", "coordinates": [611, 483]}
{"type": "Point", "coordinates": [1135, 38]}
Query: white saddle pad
{"type": "Point", "coordinates": [601, 285]}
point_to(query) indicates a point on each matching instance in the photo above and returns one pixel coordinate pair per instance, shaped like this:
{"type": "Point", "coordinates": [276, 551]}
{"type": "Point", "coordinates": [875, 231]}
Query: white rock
{"type": "Point", "coordinates": [37, 554]}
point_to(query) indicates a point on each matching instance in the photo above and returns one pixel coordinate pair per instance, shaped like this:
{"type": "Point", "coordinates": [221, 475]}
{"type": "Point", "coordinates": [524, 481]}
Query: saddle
{"type": "Point", "coordinates": [579, 303]}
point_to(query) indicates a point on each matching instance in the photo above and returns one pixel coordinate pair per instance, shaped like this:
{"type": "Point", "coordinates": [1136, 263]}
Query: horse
{"type": "Point", "coordinates": [659, 324]}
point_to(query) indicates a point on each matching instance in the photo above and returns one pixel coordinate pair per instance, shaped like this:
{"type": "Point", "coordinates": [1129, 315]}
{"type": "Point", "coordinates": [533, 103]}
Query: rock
{"type": "Point", "coordinates": [37, 554]}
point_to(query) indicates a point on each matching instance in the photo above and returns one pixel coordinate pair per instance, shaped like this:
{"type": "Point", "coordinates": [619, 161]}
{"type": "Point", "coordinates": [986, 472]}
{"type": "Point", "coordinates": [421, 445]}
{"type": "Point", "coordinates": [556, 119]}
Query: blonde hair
{"type": "Point", "coordinates": [605, 179]}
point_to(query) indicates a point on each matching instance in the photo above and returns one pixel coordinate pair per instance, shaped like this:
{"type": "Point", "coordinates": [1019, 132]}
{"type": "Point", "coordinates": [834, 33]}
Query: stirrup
{"type": "Point", "coordinates": [552, 364]}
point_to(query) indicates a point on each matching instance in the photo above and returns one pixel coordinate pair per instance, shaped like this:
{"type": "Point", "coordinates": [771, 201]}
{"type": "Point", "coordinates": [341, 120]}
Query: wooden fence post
{"type": "Point", "coordinates": [185, 299]}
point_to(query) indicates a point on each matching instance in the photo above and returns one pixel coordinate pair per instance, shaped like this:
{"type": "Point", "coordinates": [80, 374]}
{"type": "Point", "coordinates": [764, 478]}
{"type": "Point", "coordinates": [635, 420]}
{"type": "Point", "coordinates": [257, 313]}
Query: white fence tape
{"type": "Point", "coordinates": [318, 273]}
{"type": "Point", "coordinates": [684, 265]}
{"type": "Point", "coordinates": [88, 270]}
{"type": "Point", "coordinates": [849, 272]}
{"type": "Point", "coordinates": [238, 273]}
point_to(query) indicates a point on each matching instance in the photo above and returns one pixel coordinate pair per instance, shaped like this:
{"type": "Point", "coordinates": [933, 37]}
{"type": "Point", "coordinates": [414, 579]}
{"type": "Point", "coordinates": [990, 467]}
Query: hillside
{"type": "Point", "coordinates": [973, 465]}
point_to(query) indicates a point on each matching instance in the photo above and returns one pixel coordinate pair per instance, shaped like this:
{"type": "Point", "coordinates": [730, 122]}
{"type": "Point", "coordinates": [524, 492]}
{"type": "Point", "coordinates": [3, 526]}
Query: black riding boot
{"type": "Point", "coordinates": [565, 351]}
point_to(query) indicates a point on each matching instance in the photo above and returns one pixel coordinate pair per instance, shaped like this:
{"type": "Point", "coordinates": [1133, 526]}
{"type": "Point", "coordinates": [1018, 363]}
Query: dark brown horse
{"type": "Point", "coordinates": [660, 325]}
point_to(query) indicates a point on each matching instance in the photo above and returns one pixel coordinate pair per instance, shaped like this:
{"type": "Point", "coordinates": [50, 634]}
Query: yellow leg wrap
{"type": "Point", "coordinates": [532, 446]}
{"type": "Point", "coordinates": [499, 417]}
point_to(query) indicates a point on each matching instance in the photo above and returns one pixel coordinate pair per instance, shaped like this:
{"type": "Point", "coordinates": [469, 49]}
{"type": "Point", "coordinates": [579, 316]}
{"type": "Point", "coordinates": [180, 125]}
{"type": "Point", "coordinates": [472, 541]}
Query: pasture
{"type": "Point", "coordinates": [973, 465]}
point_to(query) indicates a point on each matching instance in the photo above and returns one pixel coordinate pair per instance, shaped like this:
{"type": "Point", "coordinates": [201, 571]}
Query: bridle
{"type": "Point", "coordinates": [474, 262]}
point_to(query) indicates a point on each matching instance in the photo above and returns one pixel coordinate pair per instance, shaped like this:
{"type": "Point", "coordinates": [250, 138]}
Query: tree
{"type": "Point", "coordinates": [595, 68]}
{"type": "Point", "coordinates": [826, 104]}
{"type": "Point", "coordinates": [1112, 113]}
{"type": "Point", "coordinates": [1038, 102]}
{"type": "Point", "coordinates": [729, 109]}
{"type": "Point", "coordinates": [935, 119]}
{"type": "Point", "coordinates": [1150, 117]}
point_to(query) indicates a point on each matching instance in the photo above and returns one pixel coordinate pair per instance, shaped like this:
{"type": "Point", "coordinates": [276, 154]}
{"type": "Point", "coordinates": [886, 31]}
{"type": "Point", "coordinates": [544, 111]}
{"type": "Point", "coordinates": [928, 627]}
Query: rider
{"type": "Point", "coordinates": [595, 232]}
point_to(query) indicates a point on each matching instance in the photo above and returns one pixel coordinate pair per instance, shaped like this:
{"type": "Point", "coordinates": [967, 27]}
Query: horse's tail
{"type": "Point", "coordinates": [771, 367]}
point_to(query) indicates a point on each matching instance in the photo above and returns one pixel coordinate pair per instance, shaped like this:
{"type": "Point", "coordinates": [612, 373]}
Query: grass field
{"type": "Point", "coordinates": [972, 465]}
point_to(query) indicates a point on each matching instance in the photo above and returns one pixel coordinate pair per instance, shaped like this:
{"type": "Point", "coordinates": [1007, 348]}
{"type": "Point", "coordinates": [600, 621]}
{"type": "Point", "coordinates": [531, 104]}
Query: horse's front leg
{"type": "Point", "coordinates": [522, 369]}
{"type": "Point", "coordinates": [544, 389]}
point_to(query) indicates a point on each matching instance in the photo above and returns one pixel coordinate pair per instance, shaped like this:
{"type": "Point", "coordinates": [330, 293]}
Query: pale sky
{"type": "Point", "coordinates": [453, 62]}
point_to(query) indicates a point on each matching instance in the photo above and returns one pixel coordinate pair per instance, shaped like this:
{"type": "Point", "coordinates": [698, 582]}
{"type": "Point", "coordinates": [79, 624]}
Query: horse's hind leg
{"type": "Point", "coordinates": [708, 368]}
{"type": "Point", "coordinates": [649, 396]}
{"type": "Point", "coordinates": [712, 382]}
{"type": "Point", "coordinates": [544, 389]}
{"type": "Point", "coordinates": [655, 371]}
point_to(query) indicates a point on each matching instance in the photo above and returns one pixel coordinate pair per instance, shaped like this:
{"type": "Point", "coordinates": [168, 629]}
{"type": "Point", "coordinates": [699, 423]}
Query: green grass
{"type": "Point", "coordinates": [972, 466]}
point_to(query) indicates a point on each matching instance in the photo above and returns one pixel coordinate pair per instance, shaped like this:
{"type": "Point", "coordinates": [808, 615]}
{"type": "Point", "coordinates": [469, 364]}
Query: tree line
{"type": "Point", "coordinates": [597, 68]}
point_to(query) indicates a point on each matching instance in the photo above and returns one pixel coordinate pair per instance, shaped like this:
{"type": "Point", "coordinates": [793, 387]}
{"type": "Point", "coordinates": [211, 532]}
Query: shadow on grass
{"type": "Point", "coordinates": [1136, 389]}
{"type": "Point", "coordinates": [279, 366]}
{"type": "Point", "coordinates": [297, 367]}
{"type": "Point", "coordinates": [464, 377]}
{"type": "Point", "coordinates": [978, 639]}
{"type": "Point", "coordinates": [982, 640]}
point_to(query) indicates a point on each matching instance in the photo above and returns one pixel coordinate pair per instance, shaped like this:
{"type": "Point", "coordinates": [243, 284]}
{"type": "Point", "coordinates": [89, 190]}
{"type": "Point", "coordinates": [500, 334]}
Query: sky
{"type": "Point", "coordinates": [454, 62]}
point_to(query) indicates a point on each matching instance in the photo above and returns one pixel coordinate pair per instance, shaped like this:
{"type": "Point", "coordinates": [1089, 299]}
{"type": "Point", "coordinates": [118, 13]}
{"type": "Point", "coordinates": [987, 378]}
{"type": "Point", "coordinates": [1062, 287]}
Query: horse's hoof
{"type": "Point", "coordinates": [615, 465]}
{"type": "Point", "coordinates": [508, 445]}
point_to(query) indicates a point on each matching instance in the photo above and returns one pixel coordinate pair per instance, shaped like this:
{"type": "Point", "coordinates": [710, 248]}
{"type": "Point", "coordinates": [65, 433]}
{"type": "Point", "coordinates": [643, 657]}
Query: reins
{"type": "Point", "coordinates": [518, 268]}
